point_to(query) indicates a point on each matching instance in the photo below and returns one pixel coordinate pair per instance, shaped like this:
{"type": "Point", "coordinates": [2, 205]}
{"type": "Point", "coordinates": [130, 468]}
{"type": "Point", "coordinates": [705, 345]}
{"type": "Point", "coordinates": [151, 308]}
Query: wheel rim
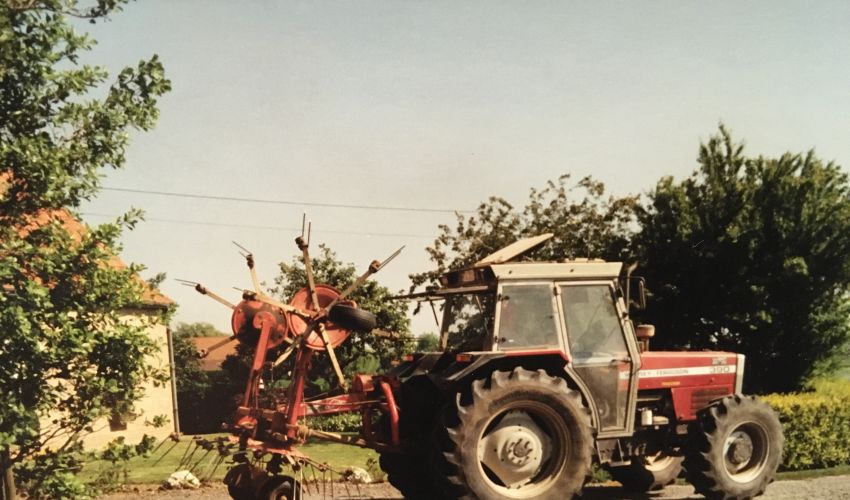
{"type": "Point", "coordinates": [745, 452]}
{"type": "Point", "coordinates": [523, 449]}
{"type": "Point", "coordinates": [658, 462]}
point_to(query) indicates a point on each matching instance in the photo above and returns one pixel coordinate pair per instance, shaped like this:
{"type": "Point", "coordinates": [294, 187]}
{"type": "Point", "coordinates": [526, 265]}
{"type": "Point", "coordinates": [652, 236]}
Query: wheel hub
{"type": "Point", "coordinates": [740, 449]}
{"type": "Point", "coordinates": [515, 449]}
{"type": "Point", "coordinates": [745, 452]}
{"type": "Point", "coordinates": [518, 451]}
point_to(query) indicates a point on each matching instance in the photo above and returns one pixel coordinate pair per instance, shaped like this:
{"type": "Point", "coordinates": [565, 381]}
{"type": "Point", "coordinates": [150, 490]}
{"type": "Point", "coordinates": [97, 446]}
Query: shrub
{"type": "Point", "coordinates": [341, 422]}
{"type": "Point", "coordinates": [816, 424]}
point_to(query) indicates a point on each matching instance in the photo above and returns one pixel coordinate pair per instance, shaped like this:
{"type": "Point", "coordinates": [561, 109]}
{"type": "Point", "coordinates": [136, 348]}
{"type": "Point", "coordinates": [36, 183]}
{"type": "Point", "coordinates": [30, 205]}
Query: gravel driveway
{"type": "Point", "coordinates": [832, 488]}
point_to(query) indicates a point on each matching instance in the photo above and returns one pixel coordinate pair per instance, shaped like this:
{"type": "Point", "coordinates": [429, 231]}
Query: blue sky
{"type": "Point", "coordinates": [440, 105]}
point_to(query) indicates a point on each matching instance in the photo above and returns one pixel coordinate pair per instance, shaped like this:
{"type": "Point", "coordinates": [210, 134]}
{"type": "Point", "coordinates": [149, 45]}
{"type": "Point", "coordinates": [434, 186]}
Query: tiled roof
{"type": "Point", "coordinates": [151, 297]}
{"type": "Point", "coordinates": [213, 360]}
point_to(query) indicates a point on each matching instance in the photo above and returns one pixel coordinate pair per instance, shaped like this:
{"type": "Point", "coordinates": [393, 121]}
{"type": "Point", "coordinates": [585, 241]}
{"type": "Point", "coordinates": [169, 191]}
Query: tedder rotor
{"type": "Point", "coordinates": [317, 319]}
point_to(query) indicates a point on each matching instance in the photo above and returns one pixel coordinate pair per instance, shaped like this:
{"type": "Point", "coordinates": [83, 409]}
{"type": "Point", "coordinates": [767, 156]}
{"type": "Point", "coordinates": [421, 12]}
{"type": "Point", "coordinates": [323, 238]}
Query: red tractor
{"type": "Point", "coordinates": [541, 373]}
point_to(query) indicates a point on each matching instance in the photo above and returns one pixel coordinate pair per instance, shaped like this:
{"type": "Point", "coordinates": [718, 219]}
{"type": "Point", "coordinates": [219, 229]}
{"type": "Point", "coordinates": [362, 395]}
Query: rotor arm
{"type": "Point", "coordinates": [204, 291]}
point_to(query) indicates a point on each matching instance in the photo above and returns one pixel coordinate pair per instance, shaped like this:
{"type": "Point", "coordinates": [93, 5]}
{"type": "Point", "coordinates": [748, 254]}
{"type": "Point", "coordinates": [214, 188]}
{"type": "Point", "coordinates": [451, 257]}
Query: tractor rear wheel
{"type": "Point", "coordinates": [410, 471]}
{"type": "Point", "coordinates": [734, 448]}
{"type": "Point", "coordinates": [648, 473]}
{"type": "Point", "coordinates": [519, 435]}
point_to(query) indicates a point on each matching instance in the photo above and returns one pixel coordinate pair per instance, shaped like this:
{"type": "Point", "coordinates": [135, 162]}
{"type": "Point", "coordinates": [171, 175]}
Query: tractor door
{"type": "Point", "coordinates": [602, 355]}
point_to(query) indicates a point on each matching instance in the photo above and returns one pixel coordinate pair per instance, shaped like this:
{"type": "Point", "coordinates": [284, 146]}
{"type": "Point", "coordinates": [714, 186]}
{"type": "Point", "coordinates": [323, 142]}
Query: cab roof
{"type": "Point", "coordinates": [569, 270]}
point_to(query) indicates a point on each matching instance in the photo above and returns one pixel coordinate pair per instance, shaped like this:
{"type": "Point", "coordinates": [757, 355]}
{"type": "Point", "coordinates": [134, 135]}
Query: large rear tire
{"type": "Point", "coordinates": [734, 448]}
{"type": "Point", "coordinates": [520, 435]}
{"type": "Point", "coordinates": [648, 473]}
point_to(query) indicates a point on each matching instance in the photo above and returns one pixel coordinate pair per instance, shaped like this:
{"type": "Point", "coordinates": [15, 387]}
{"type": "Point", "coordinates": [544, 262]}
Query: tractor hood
{"type": "Point", "coordinates": [680, 369]}
{"type": "Point", "coordinates": [694, 378]}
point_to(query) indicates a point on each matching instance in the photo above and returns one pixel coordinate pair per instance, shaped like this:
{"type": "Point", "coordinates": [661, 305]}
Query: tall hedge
{"type": "Point", "coordinates": [816, 424]}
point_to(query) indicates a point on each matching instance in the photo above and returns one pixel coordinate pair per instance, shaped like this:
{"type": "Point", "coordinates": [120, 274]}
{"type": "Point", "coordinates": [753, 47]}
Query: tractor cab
{"type": "Point", "coordinates": [571, 312]}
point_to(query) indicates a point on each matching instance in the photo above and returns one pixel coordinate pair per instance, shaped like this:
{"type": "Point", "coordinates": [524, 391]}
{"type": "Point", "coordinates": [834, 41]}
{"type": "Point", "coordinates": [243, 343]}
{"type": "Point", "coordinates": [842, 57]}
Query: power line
{"type": "Point", "coordinates": [271, 228]}
{"type": "Point", "coordinates": [284, 202]}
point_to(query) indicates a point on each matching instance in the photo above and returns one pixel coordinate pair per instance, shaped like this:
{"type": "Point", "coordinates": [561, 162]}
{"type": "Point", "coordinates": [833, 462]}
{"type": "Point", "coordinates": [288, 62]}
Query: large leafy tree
{"type": "Point", "coordinates": [585, 221]}
{"type": "Point", "coordinates": [66, 358]}
{"type": "Point", "coordinates": [752, 255]}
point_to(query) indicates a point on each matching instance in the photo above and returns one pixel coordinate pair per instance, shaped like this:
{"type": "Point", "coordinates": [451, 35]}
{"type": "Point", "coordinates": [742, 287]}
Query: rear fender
{"type": "Point", "coordinates": [457, 377]}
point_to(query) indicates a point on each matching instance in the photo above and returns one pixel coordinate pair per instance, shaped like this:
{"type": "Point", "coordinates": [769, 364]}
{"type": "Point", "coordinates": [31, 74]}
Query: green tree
{"type": "Point", "coordinates": [428, 342]}
{"type": "Point", "coordinates": [585, 223]}
{"type": "Point", "coordinates": [205, 399]}
{"type": "Point", "coordinates": [752, 255]}
{"type": "Point", "coordinates": [63, 343]}
{"type": "Point", "coordinates": [201, 329]}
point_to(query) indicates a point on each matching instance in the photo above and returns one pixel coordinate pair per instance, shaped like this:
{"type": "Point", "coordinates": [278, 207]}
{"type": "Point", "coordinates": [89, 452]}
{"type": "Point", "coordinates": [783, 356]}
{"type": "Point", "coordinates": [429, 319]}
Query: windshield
{"type": "Point", "coordinates": [468, 321]}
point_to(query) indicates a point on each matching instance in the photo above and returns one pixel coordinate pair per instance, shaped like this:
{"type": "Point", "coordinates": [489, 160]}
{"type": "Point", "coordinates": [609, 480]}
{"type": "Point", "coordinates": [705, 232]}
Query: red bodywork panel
{"type": "Point", "coordinates": [694, 378]}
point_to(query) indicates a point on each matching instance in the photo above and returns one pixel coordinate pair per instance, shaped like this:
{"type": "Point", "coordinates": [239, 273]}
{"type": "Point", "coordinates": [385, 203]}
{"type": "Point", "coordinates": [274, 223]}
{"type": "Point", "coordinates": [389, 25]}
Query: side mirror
{"type": "Point", "coordinates": [641, 283]}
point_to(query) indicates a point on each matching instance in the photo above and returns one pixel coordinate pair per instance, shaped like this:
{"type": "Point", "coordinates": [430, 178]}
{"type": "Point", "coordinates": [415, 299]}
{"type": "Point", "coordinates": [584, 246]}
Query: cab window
{"type": "Point", "coordinates": [526, 317]}
{"type": "Point", "coordinates": [593, 325]}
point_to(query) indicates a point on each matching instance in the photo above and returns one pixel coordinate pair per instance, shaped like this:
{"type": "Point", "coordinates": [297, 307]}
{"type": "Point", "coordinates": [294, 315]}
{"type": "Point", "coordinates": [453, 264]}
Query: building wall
{"type": "Point", "coordinates": [156, 401]}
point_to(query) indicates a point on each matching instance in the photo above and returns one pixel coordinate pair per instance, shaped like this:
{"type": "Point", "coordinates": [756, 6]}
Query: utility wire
{"type": "Point", "coordinates": [250, 226]}
{"type": "Point", "coordinates": [284, 202]}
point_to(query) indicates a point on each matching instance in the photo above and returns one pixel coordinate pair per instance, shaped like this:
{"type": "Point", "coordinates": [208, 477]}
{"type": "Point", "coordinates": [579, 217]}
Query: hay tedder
{"type": "Point", "coordinates": [540, 372]}
{"type": "Point", "coordinates": [317, 319]}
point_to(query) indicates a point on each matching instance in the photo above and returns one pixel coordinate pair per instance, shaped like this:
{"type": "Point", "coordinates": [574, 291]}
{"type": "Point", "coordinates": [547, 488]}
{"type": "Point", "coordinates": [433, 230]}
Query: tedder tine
{"type": "Point", "coordinates": [284, 355]}
{"type": "Point", "coordinates": [203, 457]}
{"type": "Point", "coordinates": [183, 458]}
{"type": "Point", "coordinates": [280, 305]}
{"type": "Point", "coordinates": [203, 291]}
{"type": "Point", "coordinates": [374, 267]}
{"type": "Point", "coordinates": [304, 246]}
{"type": "Point", "coordinates": [167, 451]}
{"type": "Point", "coordinates": [249, 259]}
{"type": "Point", "coordinates": [203, 353]}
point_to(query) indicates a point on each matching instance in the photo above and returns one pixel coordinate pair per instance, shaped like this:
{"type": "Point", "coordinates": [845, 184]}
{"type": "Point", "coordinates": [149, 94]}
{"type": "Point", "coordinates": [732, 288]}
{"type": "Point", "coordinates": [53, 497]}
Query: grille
{"type": "Point", "coordinates": [701, 397]}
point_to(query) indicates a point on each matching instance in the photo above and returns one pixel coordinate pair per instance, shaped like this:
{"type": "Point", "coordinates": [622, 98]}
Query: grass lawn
{"type": "Point", "coordinates": [157, 467]}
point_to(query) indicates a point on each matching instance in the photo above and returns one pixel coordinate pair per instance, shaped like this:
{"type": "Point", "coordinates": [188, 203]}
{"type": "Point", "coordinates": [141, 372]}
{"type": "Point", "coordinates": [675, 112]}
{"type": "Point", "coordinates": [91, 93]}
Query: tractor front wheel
{"type": "Point", "coordinates": [519, 435]}
{"type": "Point", "coordinates": [648, 473]}
{"type": "Point", "coordinates": [734, 448]}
